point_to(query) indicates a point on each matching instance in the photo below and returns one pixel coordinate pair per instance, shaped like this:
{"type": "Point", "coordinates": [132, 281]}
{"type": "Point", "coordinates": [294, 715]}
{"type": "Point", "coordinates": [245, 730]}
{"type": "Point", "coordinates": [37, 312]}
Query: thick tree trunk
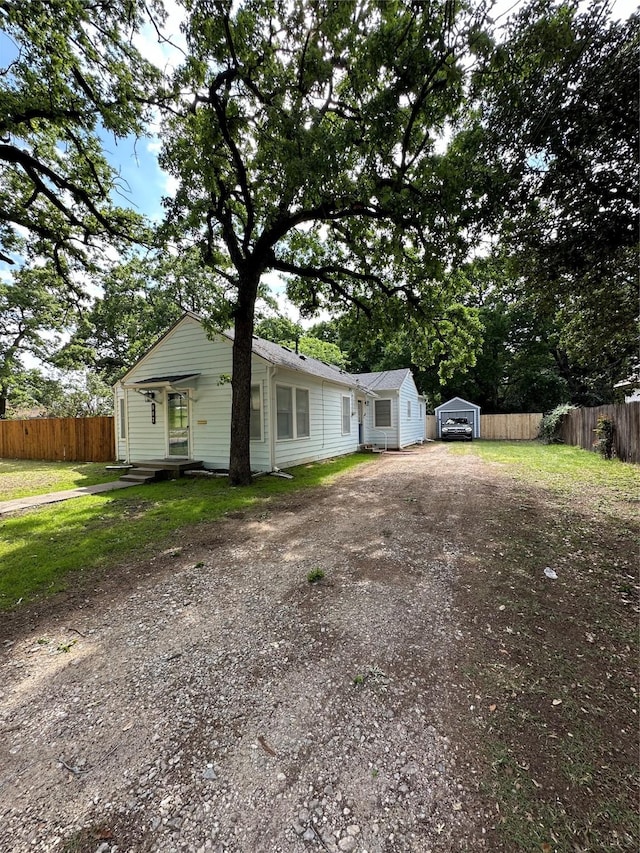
{"type": "Point", "coordinates": [239, 457]}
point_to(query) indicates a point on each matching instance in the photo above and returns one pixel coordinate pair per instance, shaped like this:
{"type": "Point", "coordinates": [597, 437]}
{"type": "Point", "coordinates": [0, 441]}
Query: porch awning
{"type": "Point", "coordinates": [182, 380]}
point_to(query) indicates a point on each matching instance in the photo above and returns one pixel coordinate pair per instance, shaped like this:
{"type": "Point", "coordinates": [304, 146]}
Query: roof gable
{"type": "Point", "coordinates": [273, 353]}
{"type": "Point", "coordinates": [457, 401]}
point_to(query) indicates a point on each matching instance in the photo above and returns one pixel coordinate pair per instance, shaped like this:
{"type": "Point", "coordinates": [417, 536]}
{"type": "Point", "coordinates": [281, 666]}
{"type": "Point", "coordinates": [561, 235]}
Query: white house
{"type": "Point", "coordinates": [395, 418]}
{"type": "Point", "coordinates": [631, 386]}
{"type": "Point", "coordinates": [175, 403]}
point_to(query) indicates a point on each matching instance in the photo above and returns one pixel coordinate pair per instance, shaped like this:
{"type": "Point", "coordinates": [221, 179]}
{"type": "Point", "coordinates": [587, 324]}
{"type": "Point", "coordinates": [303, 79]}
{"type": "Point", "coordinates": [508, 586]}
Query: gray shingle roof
{"type": "Point", "coordinates": [385, 380]}
{"type": "Point", "coordinates": [285, 357]}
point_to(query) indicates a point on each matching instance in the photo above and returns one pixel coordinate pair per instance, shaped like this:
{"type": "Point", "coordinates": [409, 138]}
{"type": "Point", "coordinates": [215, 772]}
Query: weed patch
{"type": "Point", "coordinates": [315, 575]}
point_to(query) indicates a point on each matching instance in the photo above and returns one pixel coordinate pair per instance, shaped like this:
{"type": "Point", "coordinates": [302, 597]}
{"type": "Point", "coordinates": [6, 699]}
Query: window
{"type": "Point", "coordinates": [382, 413]}
{"type": "Point", "coordinates": [409, 409]}
{"type": "Point", "coordinates": [255, 424]}
{"type": "Point", "coordinates": [284, 401]}
{"type": "Point", "coordinates": [346, 415]}
{"type": "Point", "coordinates": [302, 412]}
{"type": "Point", "coordinates": [288, 401]}
{"type": "Point", "coordinates": [123, 423]}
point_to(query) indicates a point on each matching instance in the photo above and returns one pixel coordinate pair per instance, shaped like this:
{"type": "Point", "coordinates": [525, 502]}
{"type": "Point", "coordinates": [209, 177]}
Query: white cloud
{"type": "Point", "coordinates": [164, 44]}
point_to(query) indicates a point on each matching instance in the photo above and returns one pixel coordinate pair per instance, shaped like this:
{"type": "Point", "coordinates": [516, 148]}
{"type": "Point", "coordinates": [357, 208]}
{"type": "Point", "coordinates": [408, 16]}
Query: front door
{"type": "Point", "coordinates": [178, 422]}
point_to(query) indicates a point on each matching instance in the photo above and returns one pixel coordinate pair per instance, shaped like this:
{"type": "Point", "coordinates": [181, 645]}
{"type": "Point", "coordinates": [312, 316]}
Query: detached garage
{"type": "Point", "coordinates": [458, 408]}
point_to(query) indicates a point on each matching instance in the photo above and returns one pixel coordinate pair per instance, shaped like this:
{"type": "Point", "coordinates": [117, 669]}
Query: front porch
{"type": "Point", "coordinates": [159, 469]}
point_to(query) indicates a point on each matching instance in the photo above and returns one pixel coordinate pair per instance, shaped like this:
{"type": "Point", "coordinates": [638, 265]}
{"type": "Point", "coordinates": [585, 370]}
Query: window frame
{"type": "Point", "coordinates": [376, 423]}
{"type": "Point", "coordinates": [294, 391]}
{"type": "Point", "coordinates": [122, 408]}
{"type": "Point", "coordinates": [304, 392]}
{"type": "Point", "coordinates": [259, 411]}
{"type": "Point", "coordinates": [346, 414]}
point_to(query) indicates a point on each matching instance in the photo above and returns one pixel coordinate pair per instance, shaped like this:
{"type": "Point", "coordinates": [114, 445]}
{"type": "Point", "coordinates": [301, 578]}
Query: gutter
{"type": "Point", "coordinates": [271, 372]}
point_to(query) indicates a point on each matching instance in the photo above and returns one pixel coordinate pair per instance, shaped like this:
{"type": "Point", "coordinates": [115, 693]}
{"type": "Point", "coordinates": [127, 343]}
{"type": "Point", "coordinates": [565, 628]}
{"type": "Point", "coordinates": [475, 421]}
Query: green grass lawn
{"type": "Point", "coordinates": [551, 664]}
{"type": "Point", "coordinates": [566, 471]}
{"type": "Point", "coordinates": [21, 478]}
{"type": "Point", "coordinates": [40, 550]}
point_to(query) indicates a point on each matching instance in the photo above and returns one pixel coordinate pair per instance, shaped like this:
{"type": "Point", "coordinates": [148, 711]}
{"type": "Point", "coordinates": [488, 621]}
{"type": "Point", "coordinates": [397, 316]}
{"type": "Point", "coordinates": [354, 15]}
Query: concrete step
{"type": "Point", "coordinates": [141, 475]}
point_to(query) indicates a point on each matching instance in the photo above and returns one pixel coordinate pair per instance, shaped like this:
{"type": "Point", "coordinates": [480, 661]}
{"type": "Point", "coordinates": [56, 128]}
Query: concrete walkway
{"type": "Point", "coordinates": [55, 497]}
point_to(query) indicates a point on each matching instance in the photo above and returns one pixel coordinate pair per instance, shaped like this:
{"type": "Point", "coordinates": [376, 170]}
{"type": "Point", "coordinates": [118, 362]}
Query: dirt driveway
{"type": "Point", "coordinates": [212, 699]}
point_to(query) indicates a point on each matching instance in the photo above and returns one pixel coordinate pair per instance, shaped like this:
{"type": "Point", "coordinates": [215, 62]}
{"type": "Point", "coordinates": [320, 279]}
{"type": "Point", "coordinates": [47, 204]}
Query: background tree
{"type": "Point", "coordinates": [308, 147]}
{"type": "Point", "coordinates": [278, 329]}
{"type": "Point", "coordinates": [139, 300]}
{"type": "Point", "coordinates": [557, 126]}
{"type": "Point", "coordinates": [282, 330]}
{"type": "Point", "coordinates": [33, 308]}
{"type": "Point", "coordinates": [60, 394]}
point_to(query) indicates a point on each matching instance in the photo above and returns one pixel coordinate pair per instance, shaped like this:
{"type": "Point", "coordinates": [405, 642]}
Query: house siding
{"type": "Point", "coordinates": [404, 430]}
{"type": "Point", "coordinates": [325, 437]}
{"type": "Point", "coordinates": [376, 435]}
{"type": "Point", "coordinates": [412, 429]}
{"type": "Point", "coordinates": [186, 349]}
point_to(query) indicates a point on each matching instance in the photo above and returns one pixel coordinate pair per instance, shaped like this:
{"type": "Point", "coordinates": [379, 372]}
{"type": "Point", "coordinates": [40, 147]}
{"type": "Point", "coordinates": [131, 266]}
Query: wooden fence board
{"type": "Point", "coordinates": [58, 439]}
{"type": "Point", "coordinates": [579, 425]}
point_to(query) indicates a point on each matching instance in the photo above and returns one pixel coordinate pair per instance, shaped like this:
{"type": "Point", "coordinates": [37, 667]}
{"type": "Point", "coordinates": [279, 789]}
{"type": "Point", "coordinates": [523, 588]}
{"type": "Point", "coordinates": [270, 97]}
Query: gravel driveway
{"type": "Point", "coordinates": [212, 699]}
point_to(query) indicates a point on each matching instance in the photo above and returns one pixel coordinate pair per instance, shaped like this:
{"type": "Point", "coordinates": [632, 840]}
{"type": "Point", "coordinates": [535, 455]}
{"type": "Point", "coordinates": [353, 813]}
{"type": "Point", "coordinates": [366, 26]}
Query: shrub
{"type": "Point", "coordinates": [552, 424]}
{"type": "Point", "coordinates": [604, 437]}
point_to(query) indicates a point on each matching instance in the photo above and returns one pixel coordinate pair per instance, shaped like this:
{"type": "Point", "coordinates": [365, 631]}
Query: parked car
{"type": "Point", "coordinates": [457, 428]}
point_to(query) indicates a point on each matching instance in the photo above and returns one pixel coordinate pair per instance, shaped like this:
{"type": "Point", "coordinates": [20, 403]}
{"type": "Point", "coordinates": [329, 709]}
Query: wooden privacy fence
{"type": "Point", "coordinates": [58, 439]}
{"type": "Point", "coordinates": [516, 427]}
{"type": "Point", "coordinates": [579, 425]}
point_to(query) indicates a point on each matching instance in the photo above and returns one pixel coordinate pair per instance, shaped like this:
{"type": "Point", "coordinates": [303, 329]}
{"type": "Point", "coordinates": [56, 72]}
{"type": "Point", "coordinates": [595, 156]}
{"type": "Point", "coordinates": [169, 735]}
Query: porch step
{"type": "Point", "coordinates": [158, 469]}
{"type": "Point", "coordinates": [143, 475]}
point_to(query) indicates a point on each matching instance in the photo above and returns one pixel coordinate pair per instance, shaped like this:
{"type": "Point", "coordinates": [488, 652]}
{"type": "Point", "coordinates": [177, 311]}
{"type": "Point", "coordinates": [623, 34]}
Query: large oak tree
{"type": "Point", "coordinates": [307, 139]}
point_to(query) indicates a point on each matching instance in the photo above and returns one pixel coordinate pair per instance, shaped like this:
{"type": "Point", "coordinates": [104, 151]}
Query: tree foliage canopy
{"type": "Point", "coordinates": [140, 298]}
{"type": "Point", "coordinates": [73, 78]}
{"type": "Point", "coordinates": [558, 126]}
{"type": "Point", "coordinates": [32, 310]}
{"type": "Point", "coordinates": [360, 149]}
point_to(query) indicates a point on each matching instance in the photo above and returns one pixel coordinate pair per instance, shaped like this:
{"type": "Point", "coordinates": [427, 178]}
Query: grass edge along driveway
{"type": "Point", "coordinates": [24, 478]}
{"type": "Point", "coordinates": [41, 549]}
